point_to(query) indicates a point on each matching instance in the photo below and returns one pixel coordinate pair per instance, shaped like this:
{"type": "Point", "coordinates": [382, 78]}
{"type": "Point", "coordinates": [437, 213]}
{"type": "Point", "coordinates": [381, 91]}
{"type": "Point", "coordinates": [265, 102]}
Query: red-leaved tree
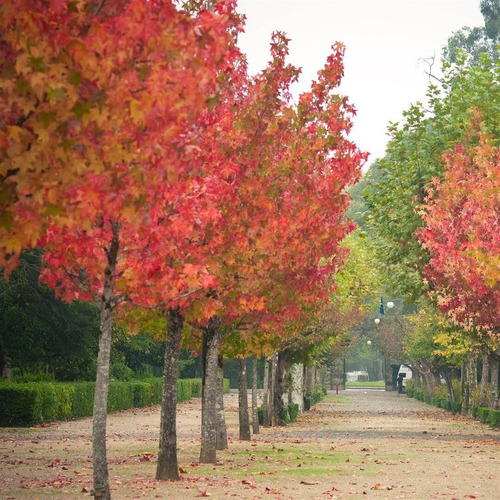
{"type": "Point", "coordinates": [462, 234]}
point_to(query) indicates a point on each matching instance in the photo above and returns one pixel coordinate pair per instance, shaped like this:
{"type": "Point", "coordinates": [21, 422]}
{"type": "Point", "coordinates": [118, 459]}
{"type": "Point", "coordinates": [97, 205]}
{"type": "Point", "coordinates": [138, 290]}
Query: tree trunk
{"type": "Point", "coordinates": [274, 368]}
{"type": "Point", "coordinates": [243, 400]}
{"type": "Point", "coordinates": [265, 395]}
{"type": "Point", "coordinates": [99, 457]}
{"type": "Point", "coordinates": [428, 376]}
{"type": "Point", "coordinates": [309, 381]}
{"type": "Point", "coordinates": [494, 382]}
{"type": "Point", "coordinates": [469, 384]}
{"type": "Point", "coordinates": [211, 338]}
{"type": "Point", "coordinates": [255, 411]}
{"type": "Point", "coordinates": [449, 386]}
{"type": "Point", "coordinates": [107, 303]}
{"type": "Point", "coordinates": [483, 390]}
{"type": "Point", "coordinates": [281, 385]}
{"type": "Point", "coordinates": [167, 467]}
{"type": "Point", "coordinates": [221, 438]}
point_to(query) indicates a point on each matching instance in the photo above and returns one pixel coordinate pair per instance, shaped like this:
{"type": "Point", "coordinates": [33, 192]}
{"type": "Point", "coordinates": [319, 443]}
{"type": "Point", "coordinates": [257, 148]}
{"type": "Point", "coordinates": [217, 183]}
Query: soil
{"type": "Point", "coordinates": [361, 444]}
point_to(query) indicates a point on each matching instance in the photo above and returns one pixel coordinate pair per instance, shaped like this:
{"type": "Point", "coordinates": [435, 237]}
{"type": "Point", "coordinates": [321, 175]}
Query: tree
{"type": "Point", "coordinates": [397, 183]}
{"type": "Point", "coordinates": [461, 233]}
{"type": "Point", "coordinates": [96, 142]}
{"type": "Point", "coordinates": [478, 40]}
{"type": "Point", "coordinates": [41, 333]}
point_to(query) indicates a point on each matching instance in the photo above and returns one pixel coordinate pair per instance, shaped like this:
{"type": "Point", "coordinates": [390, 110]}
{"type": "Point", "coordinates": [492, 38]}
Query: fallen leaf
{"type": "Point", "coordinates": [378, 486]}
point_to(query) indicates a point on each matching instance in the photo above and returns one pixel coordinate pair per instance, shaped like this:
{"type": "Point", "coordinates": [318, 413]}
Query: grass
{"type": "Point", "coordinates": [366, 384]}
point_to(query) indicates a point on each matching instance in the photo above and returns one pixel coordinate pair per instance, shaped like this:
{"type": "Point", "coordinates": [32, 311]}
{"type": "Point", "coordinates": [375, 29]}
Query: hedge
{"type": "Point", "coordinates": [483, 415]}
{"type": "Point", "coordinates": [32, 403]}
{"type": "Point", "coordinates": [316, 397]}
{"type": "Point", "coordinates": [495, 418]}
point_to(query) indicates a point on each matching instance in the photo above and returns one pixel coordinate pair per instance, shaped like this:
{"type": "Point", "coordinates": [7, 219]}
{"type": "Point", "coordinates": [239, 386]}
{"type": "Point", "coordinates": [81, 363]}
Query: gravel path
{"type": "Point", "coordinates": [361, 444]}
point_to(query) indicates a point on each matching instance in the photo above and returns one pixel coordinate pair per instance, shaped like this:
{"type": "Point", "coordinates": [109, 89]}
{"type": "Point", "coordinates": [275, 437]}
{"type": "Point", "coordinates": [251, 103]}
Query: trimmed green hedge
{"type": "Point", "coordinates": [315, 397]}
{"type": "Point", "coordinates": [32, 403]}
{"type": "Point", "coordinates": [483, 415]}
{"type": "Point", "coordinates": [495, 418]}
{"type": "Point", "coordinates": [486, 416]}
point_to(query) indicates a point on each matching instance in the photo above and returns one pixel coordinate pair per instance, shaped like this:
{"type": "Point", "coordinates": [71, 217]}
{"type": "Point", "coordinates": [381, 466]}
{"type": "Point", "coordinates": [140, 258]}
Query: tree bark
{"type": "Point", "coordinates": [211, 338]}
{"type": "Point", "coordinates": [494, 382]}
{"type": "Point", "coordinates": [483, 389]}
{"type": "Point", "coordinates": [469, 384]}
{"type": "Point", "coordinates": [99, 455]}
{"type": "Point", "coordinates": [281, 385]}
{"type": "Point", "coordinates": [167, 467]}
{"type": "Point", "coordinates": [428, 376]}
{"type": "Point", "coordinates": [255, 411]}
{"type": "Point", "coordinates": [449, 386]}
{"type": "Point", "coordinates": [265, 395]}
{"type": "Point", "coordinates": [243, 400]}
{"type": "Point", "coordinates": [107, 304]}
{"type": "Point", "coordinates": [274, 367]}
{"type": "Point", "coordinates": [221, 438]}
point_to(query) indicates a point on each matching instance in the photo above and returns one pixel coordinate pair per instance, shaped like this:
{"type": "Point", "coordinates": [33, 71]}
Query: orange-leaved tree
{"type": "Point", "coordinates": [97, 135]}
{"type": "Point", "coordinates": [462, 234]}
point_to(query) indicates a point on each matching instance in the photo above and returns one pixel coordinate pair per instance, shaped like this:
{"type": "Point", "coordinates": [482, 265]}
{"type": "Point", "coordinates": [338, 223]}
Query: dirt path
{"type": "Point", "coordinates": [360, 444]}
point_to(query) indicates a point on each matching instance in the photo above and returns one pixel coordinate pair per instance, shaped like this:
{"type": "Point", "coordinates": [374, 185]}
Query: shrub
{"type": "Point", "coordinates": [184, 389]}
{"type": "Point", "coordinates": [456, 406]}
{"type": "Point", "coordinates": [30, 377]}
{"type": "Point", "coordinates": [427, 399]}
{"type": "Point", "coordinates": [142, 394]}
{"type": "Point", "coordinates": [260, 413]}
{"type": "Point", "coordinates": [120, 371]}
{"type": "Point", "coordinates": [31, 403]}
{"type": "Point", "coordinates": [475, 410]}
{"type": "Point", "coordinates": [120, 396]}
{"type": "Point", "coordinates": [293, 411]}
{"type": "Point", "coordinates": [495, 418]}
{"type": "Point", "coordinates": [196, 386]}
{"type": "Point", "coordinates": [225, 386]}
{"type": "Point", "coordinates": [20, 405]}
{"type": "Point", "coordinates": [307, 403]}
{"type": "Point", "coordinates": [484, 415]}
{"type": "Point", "coordinates": [83, 399]}
{"type": "Point", "coordinates": [447, 405]}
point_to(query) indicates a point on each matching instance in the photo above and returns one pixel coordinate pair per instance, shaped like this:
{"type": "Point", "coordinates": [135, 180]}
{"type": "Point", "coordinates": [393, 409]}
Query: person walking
{"type": "Point", "coordinates": [400, 384]}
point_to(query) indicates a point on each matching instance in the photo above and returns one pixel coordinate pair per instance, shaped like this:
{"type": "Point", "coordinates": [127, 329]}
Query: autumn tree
{"type": "Point", "coordinates": [100, 100]}
{"type": "Point", "coordinates": [397, 182]}
{"type": "Point", "coordinates": [461, 233]}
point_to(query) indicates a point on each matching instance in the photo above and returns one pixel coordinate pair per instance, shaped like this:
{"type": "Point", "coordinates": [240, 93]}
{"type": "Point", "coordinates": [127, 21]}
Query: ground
{"type": "Point", "coordinates": [361, 444]}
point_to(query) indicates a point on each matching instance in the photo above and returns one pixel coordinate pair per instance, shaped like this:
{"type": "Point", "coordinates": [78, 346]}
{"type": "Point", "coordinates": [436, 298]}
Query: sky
{"type": "Point", "coordinates": [385, 41]}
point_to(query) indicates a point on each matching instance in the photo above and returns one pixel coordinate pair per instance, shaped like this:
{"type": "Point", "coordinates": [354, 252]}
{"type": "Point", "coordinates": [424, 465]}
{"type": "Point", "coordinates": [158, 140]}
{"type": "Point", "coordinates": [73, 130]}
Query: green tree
{"type": "Point", "coordinates": [478, 40]}
{"type": "Point", "coordinates": [397, 183]}
{"type": "Point", "coordinates": [41, 333]}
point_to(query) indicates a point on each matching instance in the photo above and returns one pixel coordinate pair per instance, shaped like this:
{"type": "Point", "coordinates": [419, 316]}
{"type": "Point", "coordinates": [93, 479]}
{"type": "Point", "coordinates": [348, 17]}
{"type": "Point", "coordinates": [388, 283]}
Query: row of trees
{"type": "Point", "coordinates": [433, 204]}
{"type": "Point", "coordinates": [167, 186]}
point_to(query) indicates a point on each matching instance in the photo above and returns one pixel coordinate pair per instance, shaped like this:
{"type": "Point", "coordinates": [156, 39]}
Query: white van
{"type": "Point", "coordinates": [405, 371]}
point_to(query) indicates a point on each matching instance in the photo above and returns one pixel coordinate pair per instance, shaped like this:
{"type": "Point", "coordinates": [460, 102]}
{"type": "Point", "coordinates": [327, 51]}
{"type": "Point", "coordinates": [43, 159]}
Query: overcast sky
{"type": "Point", "coordinates": [384, 41]}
